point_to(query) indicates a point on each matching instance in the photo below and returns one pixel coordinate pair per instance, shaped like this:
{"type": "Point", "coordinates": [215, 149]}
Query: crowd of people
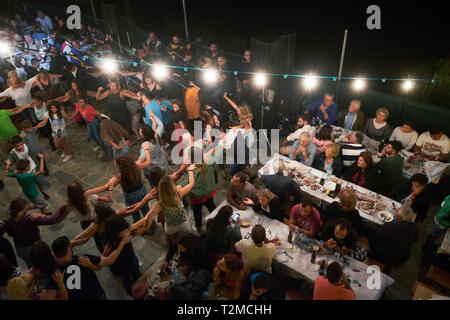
{"type": "Point", "coordinates": [47, 84]}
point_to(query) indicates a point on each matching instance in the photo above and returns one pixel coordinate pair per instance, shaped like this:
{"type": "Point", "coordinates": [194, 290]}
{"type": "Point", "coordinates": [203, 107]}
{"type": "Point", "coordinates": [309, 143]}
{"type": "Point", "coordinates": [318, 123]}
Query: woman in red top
{"type": "Point", "coordinates": [229, 276]}
{"type": "Point", "coordinates": [88, 113]}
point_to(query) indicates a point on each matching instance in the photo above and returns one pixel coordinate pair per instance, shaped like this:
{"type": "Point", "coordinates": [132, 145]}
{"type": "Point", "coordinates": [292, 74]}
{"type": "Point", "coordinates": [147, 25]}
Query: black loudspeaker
{"type": "Point", "coordinates": [110, 18]}
{"type": "Point", "coordinates": [273, 52]}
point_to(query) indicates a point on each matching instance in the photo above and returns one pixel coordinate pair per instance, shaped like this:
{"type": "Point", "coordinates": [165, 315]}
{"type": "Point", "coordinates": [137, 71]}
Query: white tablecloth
{"type": "Point", "coordinates": [300, 264]}
{"type": "Point", "coordinates": [319, 196]}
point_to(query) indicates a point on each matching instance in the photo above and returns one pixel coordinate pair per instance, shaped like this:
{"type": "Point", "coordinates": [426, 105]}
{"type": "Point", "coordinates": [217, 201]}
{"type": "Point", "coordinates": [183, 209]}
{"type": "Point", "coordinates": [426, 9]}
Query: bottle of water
{"type": "Point", "coordinates": [211, 291]}
{"type": "Point", "coordinates": [176, 277]}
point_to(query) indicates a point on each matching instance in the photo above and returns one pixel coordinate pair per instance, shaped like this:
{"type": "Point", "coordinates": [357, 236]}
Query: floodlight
{"type": "Point", "coordinates": [359, 84]}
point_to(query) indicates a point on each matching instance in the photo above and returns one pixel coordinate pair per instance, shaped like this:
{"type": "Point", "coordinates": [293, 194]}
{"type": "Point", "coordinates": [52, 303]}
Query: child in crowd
{"type": "Point", "coordinates": [27, 181]}
{"type": "Point", "coordinates": [56, 115]}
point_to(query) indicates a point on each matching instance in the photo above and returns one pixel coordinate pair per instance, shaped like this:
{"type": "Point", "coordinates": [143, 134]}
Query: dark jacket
{"type": "Point", "coordinates": [276, 211]}
{"type": "Point", "coordinates": [370, 176]}
{"type": "Point", "coordinates": [359, 123]}
{"type": "Point", "coordinates": [283, 187]}
{"type": "Point", "coordinates": [334, 212]}
{"type": "Point", "coordinates": [421, 204]}
{"type": "Point", "coordinates": [337, 165]}
{"type": "Point", "coordinates": [391, 243]}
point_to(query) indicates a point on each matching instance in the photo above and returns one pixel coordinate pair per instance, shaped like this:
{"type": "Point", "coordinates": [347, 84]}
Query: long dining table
{"type": "Point", "coordinates": [367, 282]}
{"type": "Point", "coordinates": [319, 195]}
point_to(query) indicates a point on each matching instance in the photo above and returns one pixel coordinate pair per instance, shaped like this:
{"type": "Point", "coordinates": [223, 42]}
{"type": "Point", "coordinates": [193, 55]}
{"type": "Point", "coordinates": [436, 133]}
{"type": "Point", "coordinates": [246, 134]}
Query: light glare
{"type": "Point", "coordinates": [310, 82]}
{"type": "Point", "coordinates": [109, 65]}
{"type": "Point", "coordinates": [159, 71]}
{"type": "Point", "coordinates": [260, 79]}
{"type": "Point", "coordinates": [407, 85]}
{"type": "Point", "coordinates": [210, 76]}
{"type": "Point", "coordinates": [359, 84]}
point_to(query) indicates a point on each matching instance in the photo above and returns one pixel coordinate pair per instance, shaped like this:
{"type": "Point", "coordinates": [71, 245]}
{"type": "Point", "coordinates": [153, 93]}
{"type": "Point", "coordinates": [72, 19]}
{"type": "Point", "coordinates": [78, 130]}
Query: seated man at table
{"type": "Point", "coordinates": [257, 254]}
{"type": "Point", "coordinates": [303, 150]}
{"type": "Point", "coordinates": [284, 187]}
{"type": "Point", "coordinates": [339, 235]}
{"type": "Point", "coordinates": [433, 145]}
{"type": "Point", "coordinates": [419, 199]}
{"type": "Point", "coordinates": [334, 286]}
{"type": "Point", "coordinates": [353, 119]}
{"type": "Point", "coordinates": [351, 150]}
{"type": "Point", "coordinates": [264, 286]}
{"type": "Point", "coordinates": [239, 190]}
{"type": "Point", "coordinates": [390, 168]}
{"type": "Point", "coordinates": [325, 109]}
{"type": "Point", "coordinates": [405, 134]}
{"type": "Point", "coordinates": [302, 126]}
{"type": "Point", "coordinates": [305, 218]}
{"type": "Point", "coordinates": [392, 242]}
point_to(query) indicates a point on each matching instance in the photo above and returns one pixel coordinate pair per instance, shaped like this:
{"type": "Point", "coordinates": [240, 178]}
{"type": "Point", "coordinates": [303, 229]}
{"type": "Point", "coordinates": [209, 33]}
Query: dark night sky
{"type": "Point", "coordinates": [411, 32]}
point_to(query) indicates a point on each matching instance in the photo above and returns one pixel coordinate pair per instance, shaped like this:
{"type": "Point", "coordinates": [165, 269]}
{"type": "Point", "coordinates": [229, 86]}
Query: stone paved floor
{"type": "Point", "coordinates": [92, 172]}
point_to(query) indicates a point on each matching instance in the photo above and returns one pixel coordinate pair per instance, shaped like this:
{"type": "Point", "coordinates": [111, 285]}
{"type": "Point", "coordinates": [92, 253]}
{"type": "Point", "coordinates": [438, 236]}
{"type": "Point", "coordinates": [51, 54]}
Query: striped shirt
{"type": "Point", "coordinates": [350, 152]}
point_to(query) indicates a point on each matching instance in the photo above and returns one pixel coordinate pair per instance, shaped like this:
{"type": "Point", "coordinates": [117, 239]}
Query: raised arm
{"type": "Point", "coordinates": [231, 102]}
{"type": "Point", "coordinates": [84, 236]}
{"type": "Point", "coordinates": [144, 224]}
{"type": "Point", "coordinates": [100, 96]}
{"type": "Point", "coordinates": [187, 188]}
{"type": "Point", "coordinates": [20, 109]}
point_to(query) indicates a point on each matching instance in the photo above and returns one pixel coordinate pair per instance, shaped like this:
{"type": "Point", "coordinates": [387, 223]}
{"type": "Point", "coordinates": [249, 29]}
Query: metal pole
{"type": "Point", "coordinates": [120, 46]}
{"type": "Point", "coordinates": [262, 107]}
{"type": "Point", "coordinates": [185, 19]}
{"type": "Point", "coordinates": [344, 44]}
{"type": "Point", "coordinates": [129, 43]}
{"type": "Point", "coordinates": [93, 11]}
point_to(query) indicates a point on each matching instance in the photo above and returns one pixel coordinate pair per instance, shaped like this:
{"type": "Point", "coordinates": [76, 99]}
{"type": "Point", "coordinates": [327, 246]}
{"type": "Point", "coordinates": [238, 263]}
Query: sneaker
{"type": "Point", "coordinates": [96, 148]}
{"type": "Point", "coordinates": [67, 158]}
{"type": "Point", "coordinates": [101, 154]}
{"type": "Point", "coordinates": [63, 155]}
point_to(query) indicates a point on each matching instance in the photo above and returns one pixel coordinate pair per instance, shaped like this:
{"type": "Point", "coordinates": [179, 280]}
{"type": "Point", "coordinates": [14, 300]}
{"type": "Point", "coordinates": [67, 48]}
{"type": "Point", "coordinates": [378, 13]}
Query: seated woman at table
{"type": "Point", "coordinates": [420, 197]}
{"type": "Point", "coordinates": [334, 286]}
{"type": "Point", "coordinates": [268, 204]}
{"type": "Point", "coordinates": [323, 138]}
{"type": "Point", "coordinates": [229, 277]}
{"type": "Point", "coordinates": [339, 235]}
{"type": "Point", "coordinates": [305, 218]}
{"type": "Point", "coordinates": [391, 243]}
{"type": "Point", "coordinates": [377, 128]}
{"type": "Point", "coordinates": [221, 235]}
{"type": "Point", "coordinates": [192, 254]}
{"type": "Point", "coordinates": [345, 208]}
{"type": "Point", "coordinates": [329, 161]}
{"type": "Point", "coordinates": [363, 172]}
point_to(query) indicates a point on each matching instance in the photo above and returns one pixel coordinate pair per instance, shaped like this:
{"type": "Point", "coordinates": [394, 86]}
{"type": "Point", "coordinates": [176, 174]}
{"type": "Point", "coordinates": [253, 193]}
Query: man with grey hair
{"type": "Point", "coordinates": [350, 151]}
{"type": "Point", "coordinates": [353, 119]}
{"type": "Point", "coordinates": [391, 243]}
{"type": "Point", "coordinates": [303, 150]}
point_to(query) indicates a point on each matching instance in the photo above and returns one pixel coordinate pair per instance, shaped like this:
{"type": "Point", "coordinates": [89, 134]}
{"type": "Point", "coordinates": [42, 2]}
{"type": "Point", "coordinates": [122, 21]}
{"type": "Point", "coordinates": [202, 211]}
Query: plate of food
{"type": "Point", "coordinates": [309, 181]}
{"type": "Point", "coordinates": [315, 187]}
{"type": "Point", "coordinates": [385, 216]}
{"type": "Point", "coordinates": [244, 223]}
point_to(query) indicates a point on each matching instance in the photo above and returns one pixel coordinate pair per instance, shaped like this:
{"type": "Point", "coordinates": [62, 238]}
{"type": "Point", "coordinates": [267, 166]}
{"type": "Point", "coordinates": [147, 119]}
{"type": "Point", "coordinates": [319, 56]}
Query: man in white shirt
{"type": "Point", "coordinates": [257, 255]}
{"type": "Point", "coordinates": [45, 21]}
{"type": "Point", "coordinates": [433, 145]}
{"type": "Point", "coordinates": [302, 126]}
{"type": "Point", "coordinates": [405, 134]}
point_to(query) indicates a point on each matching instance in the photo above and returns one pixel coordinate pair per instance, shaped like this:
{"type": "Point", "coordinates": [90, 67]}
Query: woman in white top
{"type": "Point", "coordinates": [405, 134]}
{"type": "Point", "coordinates": [19, 91]}
{"type": "Point", "coordinates": [84, 201]}
{"type": "Point", "coordinates": [56, 115]}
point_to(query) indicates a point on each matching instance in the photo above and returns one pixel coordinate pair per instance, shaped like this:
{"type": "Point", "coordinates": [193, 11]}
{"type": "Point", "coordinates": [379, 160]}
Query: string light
{"type": "Point", "coordinates": [359, 84]}
{"type": "Point", "coordinates": [109, 65]}
{"type": "Point", "coordinates": [310, 82]}
{"type": "Point", "coordinates": [260, 79]}
{"type": "Point", "coordinates": [210, 75]}
{"type": "Point", "coordinates": [159, 71]}
{"type": "Point", "coordinates": [4, 47]}
{"type": "Point", "coordinates": [407, 85]}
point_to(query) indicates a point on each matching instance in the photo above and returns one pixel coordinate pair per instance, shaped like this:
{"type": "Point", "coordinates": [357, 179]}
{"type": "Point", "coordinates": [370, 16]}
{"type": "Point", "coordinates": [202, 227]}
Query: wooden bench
{"type": "Point", "coordinates": [439, 276]}
{"type": "Point", "coordinates": [423, 292]}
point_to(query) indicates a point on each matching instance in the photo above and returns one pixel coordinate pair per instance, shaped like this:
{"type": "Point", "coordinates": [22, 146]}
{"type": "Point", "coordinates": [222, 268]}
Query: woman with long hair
{"type": "Point", "coordinates": [363, 172]}
{"type": "Point", "coordinates": [40, 108]}
{"type": "Point", "coordinates": [151, 153]}
{"type": "Point", "coordinates": [115, 137]}
{"type": "Point", "coordinates": [150, 84]}
{"type": "Point", "coordinates": [268, 203]}
{"type": "Point", "coordinates": [229, 276]}
{"type": "Point", "coordinates": [115, 99]}
{"type": "Point", "coordinates": [323, 138]}
{"type": "Point", "coordinates": [221, 235]}
{"type": "Point", "coordinates": [134, 191]}
{"type": "Point", "coordinates": [204, 188]}
{"type": "Point", "coordinates": [170, 196]}
{"type": "Point", "coordinates": [20, 92]}
{"type": "Point", "coordinates": [84, 201]}
{"type": "Point", "coordinates": [56, 115]}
